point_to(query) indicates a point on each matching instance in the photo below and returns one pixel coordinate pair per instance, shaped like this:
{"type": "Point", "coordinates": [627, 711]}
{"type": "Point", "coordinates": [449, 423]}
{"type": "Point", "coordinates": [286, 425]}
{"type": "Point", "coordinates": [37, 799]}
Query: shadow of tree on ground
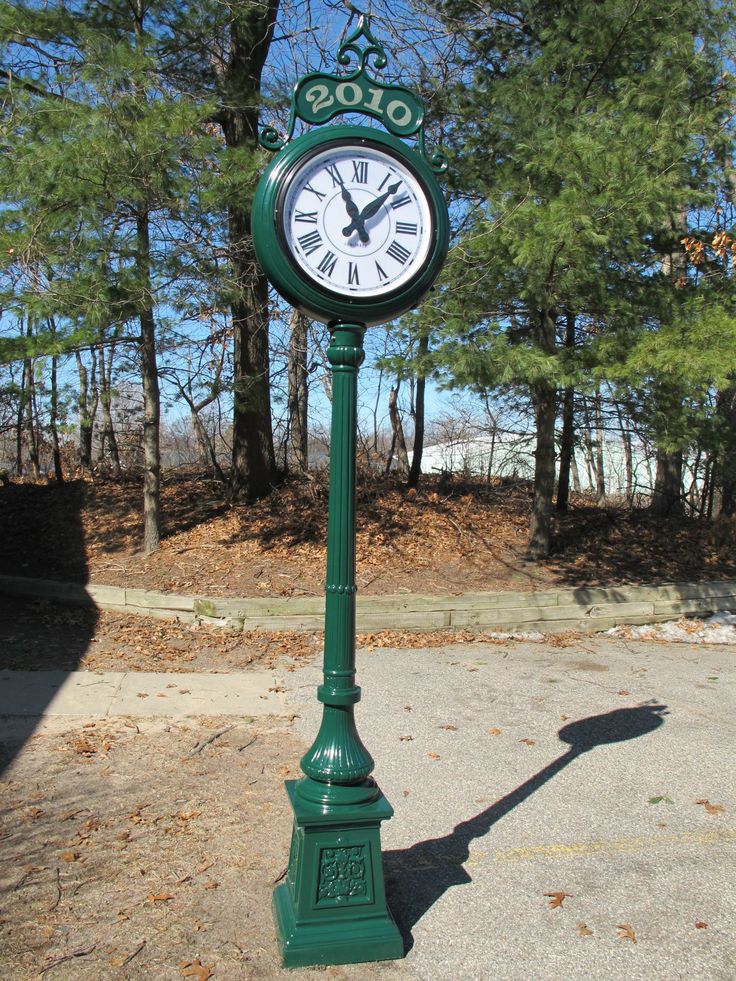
{"type": "Point", "coordinates": [37, 635]}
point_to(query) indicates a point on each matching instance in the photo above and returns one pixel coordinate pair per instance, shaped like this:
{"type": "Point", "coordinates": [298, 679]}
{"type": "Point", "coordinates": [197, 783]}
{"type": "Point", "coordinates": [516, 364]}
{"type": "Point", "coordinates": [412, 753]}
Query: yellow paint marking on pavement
{"type": "Point", "coordinates": [578, 848]}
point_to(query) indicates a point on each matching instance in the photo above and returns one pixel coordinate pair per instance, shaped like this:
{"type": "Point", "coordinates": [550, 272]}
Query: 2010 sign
{"type": "Point", "coordinates": [319, 97]}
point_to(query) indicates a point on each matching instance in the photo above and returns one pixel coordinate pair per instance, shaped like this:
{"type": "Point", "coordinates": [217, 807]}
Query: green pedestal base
{"type": "Point", "coordinates": [332, 907]}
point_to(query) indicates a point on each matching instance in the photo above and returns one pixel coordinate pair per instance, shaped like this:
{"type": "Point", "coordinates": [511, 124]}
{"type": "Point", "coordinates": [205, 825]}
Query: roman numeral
{"type": "Point", "coordinates": [406, 228]}
{"type": "Point", "coordinates": [309, 216]}
{"type": "Point", "coordinates": [360, 171]}
{"type": "Point", "coordinates": [328, 263]}
{"type": "Point", "coordinates": [336, 176]}
{"type": "Point", "coordinates": [384, 181]}
{"type": "Point", "coordinates": [397, 251]}
{"type": "Point", "coordinates": [353, 274]}
{"type": "Point", "coordinates": [310, 242]}
{"type": "Point", "coordinates": [381, 273]}
{"type": "Point", "coordinates": [400, 202]}
{"type": "Point", "coordinates": [308, 187]}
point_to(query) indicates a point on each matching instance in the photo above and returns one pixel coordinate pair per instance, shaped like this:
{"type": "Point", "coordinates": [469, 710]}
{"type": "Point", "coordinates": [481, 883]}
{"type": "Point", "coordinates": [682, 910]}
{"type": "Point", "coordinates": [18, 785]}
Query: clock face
{"type": "Point", "coordinates": [356, 221]}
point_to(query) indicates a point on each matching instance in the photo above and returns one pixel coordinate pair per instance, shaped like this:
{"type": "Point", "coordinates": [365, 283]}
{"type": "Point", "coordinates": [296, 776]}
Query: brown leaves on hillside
{"type": "Point", "coordinates": [469, 536]}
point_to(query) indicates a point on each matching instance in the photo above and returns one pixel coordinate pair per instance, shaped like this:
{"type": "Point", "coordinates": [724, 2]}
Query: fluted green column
{"type": "Point", "coordinates": [332, 907]}
{"type": "Point", "coordinates": [338, 758]}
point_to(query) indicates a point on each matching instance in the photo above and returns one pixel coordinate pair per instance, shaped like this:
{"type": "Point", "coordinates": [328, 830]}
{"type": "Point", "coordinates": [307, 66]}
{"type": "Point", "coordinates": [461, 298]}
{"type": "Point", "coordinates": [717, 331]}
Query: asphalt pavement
{"type": "Point", "coordinates": [561, 812]}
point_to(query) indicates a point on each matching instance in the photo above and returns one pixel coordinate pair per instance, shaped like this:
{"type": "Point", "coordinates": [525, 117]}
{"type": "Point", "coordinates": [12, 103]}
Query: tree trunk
{"type": "Point", "coordinates": [398, 442]}
{"type": "Point", "coordinates": [567, 442]}
{"type": "Point", "coordinates": [19, 426]}
{"type": "Point", "coordinates": [419, 417]}
{"type": "Point", "coordinates": [575, 473]}
{"type": "Point", "coordinates": [151, 395]}
{"type": "Point", "coordinates": [297, 446]}
{"type": "Point", "coordinates": [600, 474]}
{"type": "Point", "coordinates": [109, 440]}
{"type": "Point", "coordinates": [587, 440]}
{"type": "Point", "coordinates": [567, 438]}
{"type": "Point", "coordinates": [254, 463]}
{"type": "Point", "coordinates": [207, 450]}
{"type": "Point", "coordinates": [545, 411]}
{"type": "Point", "coordinates": [726, 469]}
{"type": "Point", "coordinates": [54, 422]}
{"type": "Point", "coordinates": [628, 456]}
{"type": "Point", "coordinates": [667, 496]}
{"type": "Point", "coordinates": [29, 427]}
{"type": "Point", "coordinates": [86, 419]}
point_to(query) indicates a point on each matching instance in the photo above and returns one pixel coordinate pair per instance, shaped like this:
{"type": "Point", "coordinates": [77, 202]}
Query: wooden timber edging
{"type": "Point", "coordinates": [585, 609]}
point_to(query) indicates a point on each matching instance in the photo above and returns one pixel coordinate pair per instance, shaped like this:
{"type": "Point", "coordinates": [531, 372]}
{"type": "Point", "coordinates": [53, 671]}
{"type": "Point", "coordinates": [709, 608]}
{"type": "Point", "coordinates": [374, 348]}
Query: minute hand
{"type": "Point", "coordinates": [371, 209]}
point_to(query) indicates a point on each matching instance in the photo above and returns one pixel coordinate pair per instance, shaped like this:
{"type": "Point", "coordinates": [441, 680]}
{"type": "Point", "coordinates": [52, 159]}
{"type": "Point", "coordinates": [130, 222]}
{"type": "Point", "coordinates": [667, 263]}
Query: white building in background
{"type": "Point", "coordinates": [507, 454]}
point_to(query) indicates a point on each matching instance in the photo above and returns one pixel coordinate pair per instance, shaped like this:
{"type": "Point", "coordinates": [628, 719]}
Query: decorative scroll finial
{"type": "Point", "coordinates": [319, 97]}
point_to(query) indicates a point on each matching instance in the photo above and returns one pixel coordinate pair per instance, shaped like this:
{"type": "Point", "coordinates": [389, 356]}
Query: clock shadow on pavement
{"type": "Point", "coordinates": [417, 877]}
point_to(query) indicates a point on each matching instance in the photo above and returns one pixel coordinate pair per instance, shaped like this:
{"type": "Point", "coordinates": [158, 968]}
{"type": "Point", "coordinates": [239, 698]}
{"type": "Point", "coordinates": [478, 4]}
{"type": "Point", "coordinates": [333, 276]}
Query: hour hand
{"type": "Point", "coordinates": [357, 223]}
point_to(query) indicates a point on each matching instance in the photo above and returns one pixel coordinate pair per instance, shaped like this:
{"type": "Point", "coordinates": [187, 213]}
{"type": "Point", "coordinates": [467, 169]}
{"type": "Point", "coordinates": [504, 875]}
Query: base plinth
{"type": "Point", "coordinates": [332, 907]}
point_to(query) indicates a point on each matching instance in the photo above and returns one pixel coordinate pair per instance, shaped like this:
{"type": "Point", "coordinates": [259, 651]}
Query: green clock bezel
{"type": "Point", "coordinates": [284, 274]}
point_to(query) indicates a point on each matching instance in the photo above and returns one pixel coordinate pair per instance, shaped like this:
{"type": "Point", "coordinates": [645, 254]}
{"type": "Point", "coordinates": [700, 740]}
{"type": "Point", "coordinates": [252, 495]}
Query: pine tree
{"type": "Point", "coordinates": [579, 131]}
{"type": "Point", "coordinates": [96, 169]}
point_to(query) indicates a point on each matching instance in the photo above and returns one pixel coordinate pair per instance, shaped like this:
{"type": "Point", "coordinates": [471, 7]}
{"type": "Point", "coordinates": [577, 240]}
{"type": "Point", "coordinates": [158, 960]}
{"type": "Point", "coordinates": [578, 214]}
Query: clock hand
{"type": "Point", "coordinates": [357, 223]}
{"type": "Point", "coordinates": [375, 206]}
{"type": "Point", "coordinates": [370, 210]}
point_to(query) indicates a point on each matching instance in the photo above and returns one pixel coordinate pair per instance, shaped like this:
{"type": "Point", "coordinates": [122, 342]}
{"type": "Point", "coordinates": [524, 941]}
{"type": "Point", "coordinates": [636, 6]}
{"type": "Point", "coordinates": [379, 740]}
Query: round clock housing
{"type": "Point", "coordinates": [350, 225]}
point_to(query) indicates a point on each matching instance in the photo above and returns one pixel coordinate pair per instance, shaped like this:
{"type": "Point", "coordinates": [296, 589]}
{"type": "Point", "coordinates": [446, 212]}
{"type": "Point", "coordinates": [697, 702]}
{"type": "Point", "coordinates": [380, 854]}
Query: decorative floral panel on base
{"type": "Point", "coordinates": [343, 876]}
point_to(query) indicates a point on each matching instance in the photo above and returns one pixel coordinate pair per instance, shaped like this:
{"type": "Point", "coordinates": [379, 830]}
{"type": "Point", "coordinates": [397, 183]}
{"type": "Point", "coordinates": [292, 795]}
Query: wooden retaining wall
{"type": "Point", "coordinates": [548, 611]}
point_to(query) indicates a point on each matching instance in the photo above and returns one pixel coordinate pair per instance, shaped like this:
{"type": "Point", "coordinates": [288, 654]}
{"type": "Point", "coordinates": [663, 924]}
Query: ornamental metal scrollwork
{"type": "Point", "coordinates": [319, 97]}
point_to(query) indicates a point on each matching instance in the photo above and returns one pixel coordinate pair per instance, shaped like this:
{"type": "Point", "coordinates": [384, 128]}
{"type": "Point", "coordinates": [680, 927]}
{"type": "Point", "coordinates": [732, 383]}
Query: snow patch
{"type": "Point", "coordinates": [717, 629]}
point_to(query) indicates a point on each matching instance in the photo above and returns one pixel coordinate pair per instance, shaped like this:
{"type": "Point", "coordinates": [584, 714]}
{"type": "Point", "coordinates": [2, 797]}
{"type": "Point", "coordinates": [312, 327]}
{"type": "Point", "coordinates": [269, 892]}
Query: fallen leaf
{"type": "Point", "coordinates": [433, 756]}
{"type": "Point", "coordinates": [699, 925]}
{"type": "Point", "coordinates": [584, 930]}
{"type": "Point", "coordinates": [661, 800]}
{"type": "Point", "coordinates": [564, 717]}
{"type": "Point", "coordinates": [711, 808]}
{"type": "Point", "coordinates": [623, 691]}
{"type": "Point", "coordinates": [196, 970]}
{"type": "Point", "coordinates": [70, 856]}
{"type": "Point", "coordinates": [406, 793]}
{"type": "Point", "coordinates": [162, 897]}
{"type": "Point", "coordinates": [556, 898]}
{"type": "Point", "coordinates": [528, 742]}
{"type": "Point", "coordinates": [626, 932]}
{"type": "Point", "coordinates": [405, 739]}
{"type": "Point", "coordinates": [211, 885]}
{"type": "Point", "coordinates": [142, 694]}
{"type": "Point", "coordinates": [495, 731]}
{"type": "Point", "coordinates": [448, 728]}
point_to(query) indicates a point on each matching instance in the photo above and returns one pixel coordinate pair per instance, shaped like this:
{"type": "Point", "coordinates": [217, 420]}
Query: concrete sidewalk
{"type": "Point", "coordinates": [602, 772]}
{"type": "Point", "coordinates": [100, 694]}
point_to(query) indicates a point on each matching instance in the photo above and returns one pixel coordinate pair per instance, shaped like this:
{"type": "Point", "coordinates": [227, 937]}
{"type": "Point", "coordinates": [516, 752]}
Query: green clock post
{"type": "Point", "coordinates": [350, 226]}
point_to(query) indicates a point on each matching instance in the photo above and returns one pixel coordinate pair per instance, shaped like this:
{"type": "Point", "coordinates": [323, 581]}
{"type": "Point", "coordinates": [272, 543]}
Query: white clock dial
{"type": "Point", "coordinates": [357, 221]}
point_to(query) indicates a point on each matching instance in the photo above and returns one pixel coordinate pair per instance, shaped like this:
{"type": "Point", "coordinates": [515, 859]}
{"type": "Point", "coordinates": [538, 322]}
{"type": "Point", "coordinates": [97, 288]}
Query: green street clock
{"type": "Point", "coordinates": [350, 224]}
